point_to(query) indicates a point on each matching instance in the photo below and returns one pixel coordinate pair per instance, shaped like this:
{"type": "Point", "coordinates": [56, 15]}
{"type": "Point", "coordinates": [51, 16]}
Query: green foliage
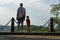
{"type": "Point", "coordinates": [55, 9]}
{"type": "Point", "coordinates": [56, 20]}
{"type": "Point", "coordinates": [34, 28]}
{"type": "Point", "coordinates": [38, 29]}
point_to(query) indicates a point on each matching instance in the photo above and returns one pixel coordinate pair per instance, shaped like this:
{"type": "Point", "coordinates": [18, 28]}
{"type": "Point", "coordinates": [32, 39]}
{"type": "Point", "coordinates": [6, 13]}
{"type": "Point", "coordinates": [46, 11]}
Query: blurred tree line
{"type": "Point", "coordinates": [55, 10]}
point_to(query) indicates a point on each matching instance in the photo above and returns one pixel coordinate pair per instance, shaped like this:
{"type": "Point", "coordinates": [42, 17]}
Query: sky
{"type": "Point", "coordinates": [37, 10]}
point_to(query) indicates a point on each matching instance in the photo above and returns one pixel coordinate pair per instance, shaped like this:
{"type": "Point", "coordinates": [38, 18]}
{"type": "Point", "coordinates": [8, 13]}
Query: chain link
{"type": "Point", "coordinates": [46, 23]}
{"type": "Point", "coordinates": [16, 22]}
{"type": "Point", "coordinates": [5, 25]}
{"type": "Point", "coordinates": [8, 23]}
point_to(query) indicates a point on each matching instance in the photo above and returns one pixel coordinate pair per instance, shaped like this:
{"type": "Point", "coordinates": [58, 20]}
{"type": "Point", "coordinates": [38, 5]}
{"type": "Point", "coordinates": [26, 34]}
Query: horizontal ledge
{"type": "Point", "coordinates": [22, 33]}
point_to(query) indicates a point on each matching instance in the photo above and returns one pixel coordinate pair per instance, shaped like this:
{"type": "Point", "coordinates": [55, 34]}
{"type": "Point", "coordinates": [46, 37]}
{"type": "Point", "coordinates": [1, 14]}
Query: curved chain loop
{"type": "Point", "coordinates": [5, 25]}
{"type": "Point", "coordinates": [46, 23]}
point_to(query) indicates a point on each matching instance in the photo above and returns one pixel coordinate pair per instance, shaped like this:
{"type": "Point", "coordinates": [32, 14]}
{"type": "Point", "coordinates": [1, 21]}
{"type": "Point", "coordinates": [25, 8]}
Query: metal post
{"type": "Point", "coordinates": [51, 25]}
{"type": "Point", "coordinates": [12, 25]}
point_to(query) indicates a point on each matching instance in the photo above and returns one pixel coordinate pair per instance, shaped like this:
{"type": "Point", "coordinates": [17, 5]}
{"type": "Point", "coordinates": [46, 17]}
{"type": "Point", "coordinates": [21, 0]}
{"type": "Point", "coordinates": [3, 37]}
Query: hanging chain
{"type": "Point", "coordinates": [46, 23]}
{"type": "Point", "coordinates": [5, 25]}
{"type": "Point", "coordinates": [16, 22]}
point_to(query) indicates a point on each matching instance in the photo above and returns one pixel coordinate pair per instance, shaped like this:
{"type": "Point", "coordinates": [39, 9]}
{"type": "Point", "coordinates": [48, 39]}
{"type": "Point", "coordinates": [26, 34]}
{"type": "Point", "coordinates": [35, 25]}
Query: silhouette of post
{"type": "Point", "coordinates": [51, 25]}
{"type": "Point", "coordinates": [12, 25]}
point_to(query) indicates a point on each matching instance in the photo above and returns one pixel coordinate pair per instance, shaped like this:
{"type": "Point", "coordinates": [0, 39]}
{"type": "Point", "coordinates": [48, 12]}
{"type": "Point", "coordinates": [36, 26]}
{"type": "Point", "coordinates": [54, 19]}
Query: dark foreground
{"type": "Point", "coordinates": [31, 33]}
{"type": "Point", "coordinates": [28, 37]}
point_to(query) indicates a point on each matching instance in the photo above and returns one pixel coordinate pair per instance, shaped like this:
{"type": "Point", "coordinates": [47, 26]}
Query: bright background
{"type": "Point", "coordinates": [38, 10]}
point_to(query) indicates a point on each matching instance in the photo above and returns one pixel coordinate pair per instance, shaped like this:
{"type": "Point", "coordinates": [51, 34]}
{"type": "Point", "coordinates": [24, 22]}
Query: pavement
{"type": "Point", "coordinates": [28, 37]}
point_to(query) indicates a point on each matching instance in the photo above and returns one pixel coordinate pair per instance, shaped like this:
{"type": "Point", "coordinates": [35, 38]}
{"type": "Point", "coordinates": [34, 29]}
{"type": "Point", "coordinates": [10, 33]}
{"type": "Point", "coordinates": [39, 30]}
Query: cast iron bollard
{"type": "Point", "coordinates": [12, 25]}
{"type": "Point", "coordinates": [51, 25]}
